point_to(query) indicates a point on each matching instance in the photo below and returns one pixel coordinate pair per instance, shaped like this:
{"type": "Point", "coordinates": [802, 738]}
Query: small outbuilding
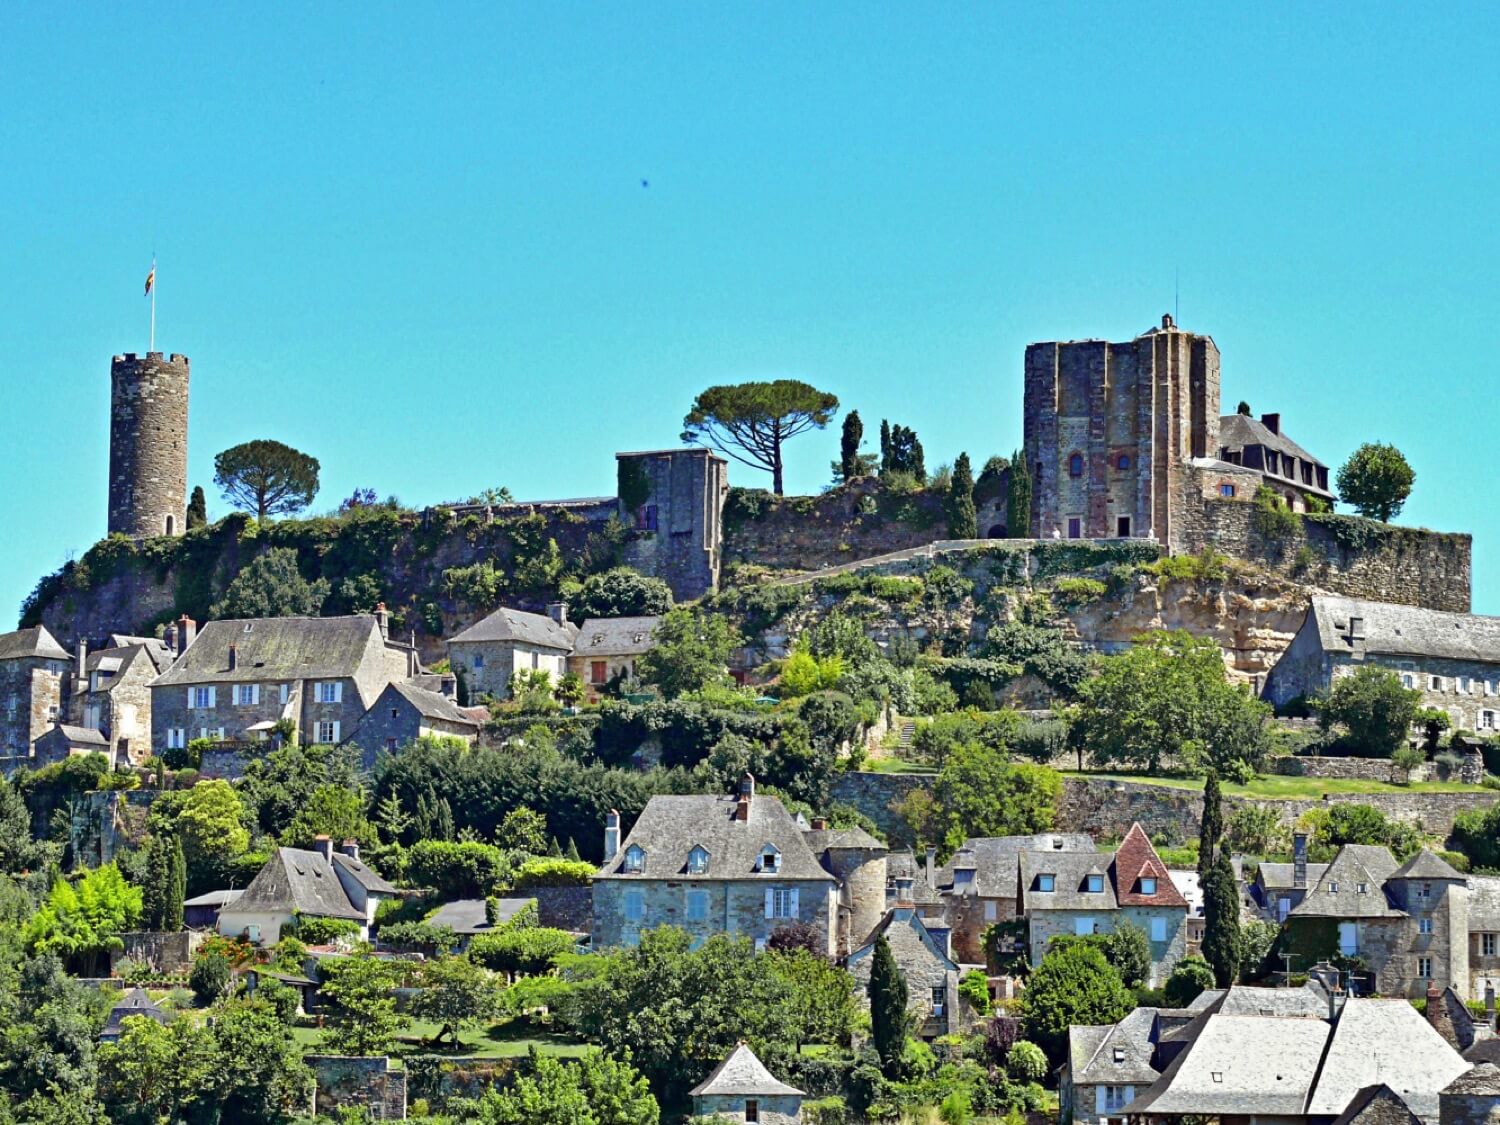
{"type": "Point", "coordinates": [742, 1089]}
{"type": "Point", "coordinates": [133, 1003]}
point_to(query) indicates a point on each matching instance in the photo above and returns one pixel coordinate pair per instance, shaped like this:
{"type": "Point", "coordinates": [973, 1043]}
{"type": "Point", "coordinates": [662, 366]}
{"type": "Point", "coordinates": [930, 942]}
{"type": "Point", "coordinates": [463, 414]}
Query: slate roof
{"type": "Point", "coordinates": [1399, 630]}
{"type": "Point", "coordinates": [121, 655]}
{"type": "Point", "coordinates": [1484, 903]}
{"type": "Point", "coordinates": [742, 1074]}
{"type": "Point", "coordinates": [1092, 1057]}
{"type": "Point", "coordinates": [517, 625]}
{"type": "Point", "coordinates": [214, 898]}
{"type": "Point", "coordinates": [431, 704]}
{"type": "Point", "coordinates": [1425, 865]}
{"type": "Point", "coordinates": [1239, 430]}
{"type": "Point", "coordinates": [363, 874]}
{"type": "Point", "coordinates": [1283, 876]}
{"type": "Point", "coordinates": [1355, 866]}
{"type": "Point", "coordinates": [33, 642]}
{"type": "Point", "coordinates": [909, 938]}
{"type": "Point", "coordinates": [996, 861]}
{"type": "Point", "coordinates": [1070, 871]}
{"type": "Point", "coordinates": [1484, 1051]}
{"type": "Point", "coordinates": [903, 864]}
{"type": "Point", "coordinates": [615, 636]}
{"type": "Point", "coordinates": [81, 736]}
{"type": "Point", "coordinates": [671, 826]}
{"type": "Point", "coordinates": [287, 648]}
{"type": "Point", "coordinates": [133, 1003]}
{"type": "Point", "coordinates": [468, 915]}
{"type": "Point", "coordinates": [303, 882]}
{"type": "Point", "coordinates": [1307, 1002]}
{"type": "Point", "coordinates": [821, 840]}
{"type": "Point", "coordinates": [1385, 1041]}
{"type": "Point", "coordinates": [1482, 1079]}
{"type": "Point", "coordinates": [1377, 1105]}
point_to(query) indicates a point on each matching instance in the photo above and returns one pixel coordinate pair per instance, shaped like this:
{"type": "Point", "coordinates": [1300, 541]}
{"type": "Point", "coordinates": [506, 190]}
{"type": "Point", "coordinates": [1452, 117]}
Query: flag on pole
{"type": "Point", "coordinates": [150, 278]}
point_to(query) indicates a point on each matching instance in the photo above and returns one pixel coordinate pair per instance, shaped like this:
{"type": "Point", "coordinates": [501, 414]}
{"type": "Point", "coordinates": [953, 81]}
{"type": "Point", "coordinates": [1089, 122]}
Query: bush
{"type": "Point", "coordinates": [975, 988]}
{"type": "Point", "coordinates": [1026, 1062]}
{"type": "Point", "coordinates": [312, 930]}
{"type": "Point", "coordinates": [422, 937]}
{"type": "Point", "coordinates": [1078, 591]}
{"type": "Point", "coordinates": [526, 951]}
{"type": "Point", "coordinates": [549, 872]}
{"type": "Point", "coordinates": [209, 979]}
{"type": "Point", "coordinates": [456, 870]}
{"type": "Point", "coordinates": [1191, 977]}
{"type": "Point", "coordinates": [1273, 519]}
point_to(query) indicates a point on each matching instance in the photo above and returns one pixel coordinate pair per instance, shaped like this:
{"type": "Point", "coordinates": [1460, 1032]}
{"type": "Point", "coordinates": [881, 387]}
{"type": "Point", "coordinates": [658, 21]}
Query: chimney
{"type": "Point", "coordinates": [187, 633]}
{"type": "Point", "coordinates": [234, 657]}
{"type": "Point", "coordinates": [1438, 1015]}
{"type": "Point", "coordinates": [1299, 860]}
{"type": "Point", "coordinates": [1167, 321]}
{"type": "Point", "coordinates": [611, 834]}
{"type": "Point", "coordinates": [324, 844]}
{"type": "Point", "coordinates": [448, 687]}
{"type": "Point", "coordinates": [169, 637]}
{"type": "Point", "coordinates": [747, 795]}
{"type": "Point", "coordinates": [1271, 422]}
{"type": "Point", "coordinates": [558, 611]}
{"type": "Point", "coordinates": [1489, 1004]}
{"type": "Point", "coordinates": [820, 824]}
{"type": "Point", "coordinates": [904, 904]}
{"type": "Point", "coordinates": [931, 865]}
{"type": "Point", "coordinates": [83, 661]}
{"type": "Point", "coordinates": [350, 848]}
{"type": "Point", "coordinates": [383, 621]}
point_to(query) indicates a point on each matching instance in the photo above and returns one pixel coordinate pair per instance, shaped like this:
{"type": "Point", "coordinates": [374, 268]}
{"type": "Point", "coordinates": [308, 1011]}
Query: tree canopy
{"type": "Point", "coordinates": [1377, 480]}
{"type": "Point", "coordinates": [1373, 707]}
{"type": "Point", "coordinates": [272, 586]}
{"type": "Point", "coordinates": [691, 652]}
{"type": "Point", "coordinates": [266, 477]}
{"type": "Point", "coordinates": [1073, 984]}
{"type": "Point", "coordinates": [751, 422]}
{"type": "Point", "coordinates": [618, 592]}
{"type": "Point", "coordinates": [963, 520]}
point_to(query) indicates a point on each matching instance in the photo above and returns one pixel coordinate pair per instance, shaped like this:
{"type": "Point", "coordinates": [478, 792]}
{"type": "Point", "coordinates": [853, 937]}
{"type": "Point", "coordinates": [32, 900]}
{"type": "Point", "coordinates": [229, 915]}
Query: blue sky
{"type": "Point", "coordinates": [413, 240]}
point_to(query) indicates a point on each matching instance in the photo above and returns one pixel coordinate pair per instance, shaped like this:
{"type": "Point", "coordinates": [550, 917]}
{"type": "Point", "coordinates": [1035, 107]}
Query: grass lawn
{"type": "Point", "coordinates": [1275, 786]}
{"type": "Point", "coordinates": [499, 1041]}
{"type": "Point", "coordinates": [895, 765]}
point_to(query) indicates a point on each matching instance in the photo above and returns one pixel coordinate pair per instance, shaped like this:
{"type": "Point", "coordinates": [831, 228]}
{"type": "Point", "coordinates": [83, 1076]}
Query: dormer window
{"type": "Point", "coordinates": [697, 860]}
{"type": "Point", "coordinates": [1148, 884]}
{"type": "Point", "coordinates": [1119, 1056]}
{"type": "Point", "coordinates": [1362, 888]}
{"type": "Point", "coordinates": [770, 859]}
{"type": "Point", "coordinates": [635, 860]}
{"type": "Point", "coordinates": [1333, 887]}
{"type": "Point", "coordinates": [1094, 884]}
{"type": "Point", "coordinates": [1046, 882]}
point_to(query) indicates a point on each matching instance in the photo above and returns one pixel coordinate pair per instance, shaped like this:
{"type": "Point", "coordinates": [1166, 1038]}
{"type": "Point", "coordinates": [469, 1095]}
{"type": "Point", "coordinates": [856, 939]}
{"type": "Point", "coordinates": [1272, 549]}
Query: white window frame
{"type": "Point", "coordinates": [1408, 681]}
{"type": "Point", "coordinates": [326, 732]}
{"type": "Point", "coordinates": [330, 691]}
{"type": "Point", "coordinates": [1487, 720]}
{"type": "Point", "coordinates": [939, 998]}
{"type": "Point", "coordinates": [1424, 968]}
{"type": "Point", "coordinates": [246, 695]}
{"type": "Point", "coordinates": [697, 863]}
{"type": "Point", "coordinates": [176, 738]}
{"type": "Point", "coordinates": [202, 698]}
{"type": "Point", "coordinates": [1434, 683]}
{"type": "Point", "coordinates": [781, 903]}
{"type": "Point", "coordinates": [770, 859]}
{"type": "Point", "coordinates": [1424, 924]}
{"type": "Point", "coordinates": [635, 860]}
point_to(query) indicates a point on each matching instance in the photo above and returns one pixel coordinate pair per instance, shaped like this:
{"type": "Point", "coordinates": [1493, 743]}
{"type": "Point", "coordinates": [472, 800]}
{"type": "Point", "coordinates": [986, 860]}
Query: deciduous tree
{"type": "Point", "coordinates": [266, 477]}
{"type": "Point", "coordinates": [456, 995]}
{"type": "Point", "coordinates": [691, 652]}
{"type": "Point", "coordinates": [272, 586]}
{"type": "Point", "coordinates": [1377, 480]}
{"type": "Point", "coordinates": [365, 1019]}
{"type": "Point", "coordinates": [1073, 984]}
{"type": "Point", "coordinates": [751, 422]}
{"type": "Point", "coordinates": [1191, 976]}
{"type": "Point", "coordinates": [1373, 707]}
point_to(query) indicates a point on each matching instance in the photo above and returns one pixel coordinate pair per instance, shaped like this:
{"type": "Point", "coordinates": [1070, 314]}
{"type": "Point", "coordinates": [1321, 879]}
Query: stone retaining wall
{"type": "Point", "coordinates": [370, 1083]}
{"type": "Point", "coordinates": [1470, 771]}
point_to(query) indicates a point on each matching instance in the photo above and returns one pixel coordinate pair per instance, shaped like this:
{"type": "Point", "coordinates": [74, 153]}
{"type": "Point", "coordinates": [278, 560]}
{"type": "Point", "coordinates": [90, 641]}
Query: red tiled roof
{"type": "Point", "coordinates": [1136, 858]}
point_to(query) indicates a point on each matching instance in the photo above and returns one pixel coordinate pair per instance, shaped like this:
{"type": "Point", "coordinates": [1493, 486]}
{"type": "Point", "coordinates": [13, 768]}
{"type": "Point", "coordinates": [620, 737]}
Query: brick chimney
{"type": "Point", "coordinates": [383, 621]}
{"type": "Point", "coordinates": [747, 795]}
{"type": "Point", "coordinates": [1438, 1015]}
{"type": "Point", "coordinates": [820, 824]}
{"type": "Point", "coordinates": [1271, 422]}
{"type": "Point", "coordinates": [558, 611]}
{"type": "Point", "coordinates": [350, 848]}
{"type": "Point", "coordinates": [611, 834]}
{"type": "Point", "coordinates": [324, 844]}
{"type": "Point", "coordinates": [187, 633]}
{"type": "Point", "coordinates": [1299, 860]}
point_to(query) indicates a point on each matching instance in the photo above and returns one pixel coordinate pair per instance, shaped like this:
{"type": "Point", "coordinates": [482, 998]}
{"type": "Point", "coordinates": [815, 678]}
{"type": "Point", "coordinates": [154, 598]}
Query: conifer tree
{"type": "Point", "coordinates": [853, 434]}
{"type": "Point", "coordinates": [963, 519]}
{"type": "Point", "coordinates": [887, 992]}
{"type": "Point", "coordinates": [573, 850]}
{"type": "Point", "coordinates": [885, 447]}
{"type": "Point", "coordinates": [1221, 918]}
{"type": "Point", "coordinates": [172, 919]}
{"type": "Point", "coordinates": [197, 509]}
{"type": "Point", "coordinates": [157, 890]}
{"type": "Point", "coordinates": [1018, 499]}
{"type": "Point", "coordinates": [1212, 823]}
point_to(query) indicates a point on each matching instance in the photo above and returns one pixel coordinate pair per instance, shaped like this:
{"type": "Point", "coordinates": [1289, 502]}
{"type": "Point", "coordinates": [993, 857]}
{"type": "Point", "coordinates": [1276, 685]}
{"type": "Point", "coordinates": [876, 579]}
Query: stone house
{"type": "Point", "coordinates": [1190, 887]}
{"type": "Point", "coordinates": [33, 681]}
{"type": "Point", "coordinates": [405, 711]}
{"type": "Point", "coordinates": [607, 648]}
{"type": "Point", "coordinates": [1472, 1098]}
{"type": "Point", "coordinates": [1291, 471]}
{"type": "Point", "coordinates": [1408, 922]}
{"type": "Point", "coordinates": [237, 679]}
{"type": "Point", "coordinates": [64, 741]}
{"type": "Point", "coordinates": [902, 867]}
{"type": "Point", "coordinates": [1484, 937]}
{"type": "Point", "coordinates": [1453, 659]}
{"type": "Point", "coordinates": [1077, 893]}
{"type": "Point", "coordinates": [742, 1089]}
{"type": "Point", "coordinates": [1280, 887]}
{"type": "Point", "coordinates": [487, 654]}
{"type": "Point", "coordinates": [111, 693]}
{"type": "Point", "coordinates": [923, 955]}
{"type": "Point", "coordinates": [1106, 1065]}
{"type": "Point", "coordinates": [860, 864]}
{"type": "Point", "coordinates": [134, 1004]}
{"type": "Point", "coordinates": [979, 885]}
{"type": "Point", "coordinates": [711, 865]}
{"type": "Point", "coordinates": [320, 883]}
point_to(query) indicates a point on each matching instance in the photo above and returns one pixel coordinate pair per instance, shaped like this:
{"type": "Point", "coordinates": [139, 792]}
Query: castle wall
{"type": "Point", "coordinates": [148, 433]}
{"type": "Point", "coordinates": [674, 500]}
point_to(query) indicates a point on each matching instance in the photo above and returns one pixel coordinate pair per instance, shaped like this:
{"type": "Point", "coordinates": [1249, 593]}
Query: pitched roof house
{"type": "Point", "coordinates": [923, 954]}
{"type": "Point", "coordinates": [742, 1089]}
{"type": "Point", "coordinates": [319, 883]}
{"type": "Point", "coordinates": [606, 648]}
{"type": "Point", "coordinates": [33, 673]}
{"type": "Point", "coordinates": [111, 693]}
{"type": "Point", "coordinates": [488, 653]}
{"type": "Point", "coordinates": [405, 711]}
{"type": "Point", "coordinates": [133, 1003]}
{"type": "Point", "coordinates": [1284, 465]}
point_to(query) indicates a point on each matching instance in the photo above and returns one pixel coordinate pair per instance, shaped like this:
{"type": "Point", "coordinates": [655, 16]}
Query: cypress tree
{"type": "Point", "coordinates": [1212, 823]}
{"type": "Point", "coordinates": [1221, 921]}
{"type": "Point", "coordinates": [887, 992]}
{"type": "Point", "coordinates": [155, 893]}
{"type": "Point", "coordinates": [918, 461]}
{"type": "Point", "coordinates": [1018, 499]}
{"type": "Point", "coordinates": [197, 509]}
{"type": "Point", "coordinates": [885, 447]}
{"type": "Point", "coordinates": [963, 519]}
{"type": "Point", "coordinates": [853, 434]}
{"type": "Point", "coordinates": [173, 917]}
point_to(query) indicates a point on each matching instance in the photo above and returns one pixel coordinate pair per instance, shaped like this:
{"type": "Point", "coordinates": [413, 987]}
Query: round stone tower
{"type": "Point", "coordinates": [148, 419]}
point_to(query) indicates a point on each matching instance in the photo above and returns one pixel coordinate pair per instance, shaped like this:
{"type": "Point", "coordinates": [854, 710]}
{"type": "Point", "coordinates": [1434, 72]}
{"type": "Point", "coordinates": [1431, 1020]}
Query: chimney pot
{"type": "Point", "coordinates": [820, 824]}
{"type": "Point", "coordinates": [558, 611]}
{"type": "Point", "coordinates": [83, 661]}
{"type": "Point", "coordinates": [187, 633]}
{"type": "Point", "coordinates": [382, 621]}
{"type": "Point", "coordinates": [350, 848]}
{"type": "Point", "coordinates": [932, 865]}
{"type": "Point", "coordinates": [324, 843]}
{"type": "Point", "coordinates": [747, 795]}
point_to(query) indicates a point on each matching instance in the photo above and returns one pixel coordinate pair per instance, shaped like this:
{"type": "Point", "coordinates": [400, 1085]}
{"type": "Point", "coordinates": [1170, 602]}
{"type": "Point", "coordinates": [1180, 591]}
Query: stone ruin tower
{"type": "Point", "coordinates": [148, 420]}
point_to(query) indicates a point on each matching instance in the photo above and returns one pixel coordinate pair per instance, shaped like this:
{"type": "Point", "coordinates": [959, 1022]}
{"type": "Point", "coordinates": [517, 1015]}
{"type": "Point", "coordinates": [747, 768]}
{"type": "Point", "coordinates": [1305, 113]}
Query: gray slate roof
{"type": "Point", "coordinates": [214, 898]}
{"type": "Point", "coordinates": [133, 1003]}
{"type": "Point", "coordinates": [81, 736]}
{"type": "Point", "coordinates": [1399, 630]}
{"type": "Point", "coordinates": [125, 650]}
{"type": "Point", "coordinates": [431, 704]}
{"type": "Point", "coordinates": [300, 881]}
{"type": "Point", "coordinates": [1425, 865]}
{"type": "Point", "coordinates": [1070, 871]}
{"type": "Point", "coordinates": [1377, 1105]}
{"type": "Point", "coordinates": [33, 642]}
{"type": "Point", "coordinates": [1307, 1002]}
{"type": "Point", "coordinates": [275, 648]}
{"type": "Point", "coordinates": [517, 625]}
{"type": "Point", "coordinates": [363, 874]}
{"type": "Point", "coordinates": [996, 863]}
{"type": "Point", "coordinates": [1239, 430]}
{"type": "Point", "coordinates": [1092, 1055]}
{"type": "Point", "coordinates": [615, 636]}
{"type": "Point", "coordinates": [742, 1074]}
{"type": "Point", "coordinates": [1283, 876]}
{"type": "Point", "coordinates": [1483, 1079]}
{"type": "Point", "coordinates": [1355, 866]}
{"type": "Point", "coordinates": [468, 915]}
{"type": "Point", "coordinates": [670, 826]}
{"type": "Point", "coordinates": [903, 864]}
{"type": "Point", "coordinates": [821, 840]}
{"type": "Point", "coordinates": [1385, 1041]}
{"type": "Point", "coordinates": [910, 940]}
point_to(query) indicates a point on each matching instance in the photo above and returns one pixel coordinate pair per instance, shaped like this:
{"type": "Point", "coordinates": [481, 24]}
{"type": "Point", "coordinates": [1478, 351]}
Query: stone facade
{"type": "Point", "coordinates": [148, 434]}
{"type": "Point", "coordinates": [737, 908]}
{"type": "Point", "coordinates": [397, 718]}
{"type": "Point", "coordinates": [674, 500]}
{"type": "Point", "coordinates": [113, 697]}
{"type": "Point", "coordinates": [931, 975]}
{"type": "Point", "coordinates": [31, 700]}
{"type": "Point", "coordinates": [1471, 772]}
{"type": "Point", "coordinates": [363, 1082]}
{"type": "Point", "coordinates": [783, 1110]}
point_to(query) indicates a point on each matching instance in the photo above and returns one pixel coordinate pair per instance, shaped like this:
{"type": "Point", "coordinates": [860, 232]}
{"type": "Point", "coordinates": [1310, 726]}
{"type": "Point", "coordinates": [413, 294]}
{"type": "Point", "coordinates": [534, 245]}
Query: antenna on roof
{"type": "Point", "coordinates": [1176, 293]}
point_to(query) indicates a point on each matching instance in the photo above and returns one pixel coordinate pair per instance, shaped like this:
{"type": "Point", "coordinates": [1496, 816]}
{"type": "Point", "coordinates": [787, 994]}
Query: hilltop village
{"type": "Point", "coordinates": [1149, 772]}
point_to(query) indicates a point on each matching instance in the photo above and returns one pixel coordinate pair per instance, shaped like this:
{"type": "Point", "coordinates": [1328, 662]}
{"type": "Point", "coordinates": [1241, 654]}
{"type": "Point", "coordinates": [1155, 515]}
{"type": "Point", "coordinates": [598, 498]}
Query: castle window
{"type": "Point", "coordinates": [1122, 461]}
{"type": "Point", "coordinates": [1075, 465]}
{"type": "Point", "coordinates": [635, 860]}
{"type": "Point", "coordinates": [171, 525]}
{"type": "Point", "coordinates": [1226, 491]}
{"type": "Point", "coordinates": [1486, 720]}
{"type": "Point", "coordinates": [1434, 683]}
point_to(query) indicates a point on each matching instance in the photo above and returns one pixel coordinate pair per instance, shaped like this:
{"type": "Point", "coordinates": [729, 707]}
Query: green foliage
{"type": "Point", "coordinates": [1272, 518]}
{"type": "Point", "coordinates": [83, 923]}
{"type": "Point", "coordinates": [1191, 976]}
{"type": "Point", "coordinates": [619, 592]}
{"type": "Point", "coordinates": [456, 870]}
{"type": "Point", "coordinates": [266, 477]}
{"type": "Point", "coordinates": [1376, 479]}
{"type": "Point", "coordinates": [979, 792]}
{"type": "Point", "coordinates": [1476, 833]}
{"type": "Point", "coordinates": [208, 819]}
{"type": "Point", "coordinates": [1026, 1062]}
{"type": "Point", "coordinates": [974, 987]}
{"type": "Point", "coordinates": [1128, 950]}
{"type": "Point", "coordinates": [523, 830]}
{"type": "Point", "coordinates": [820, 996]}
{"type": "Point", "coordinates": [632, 484]}
{"type": "Point", "coordinates": [691, 651]}
{"type": "Point", "coordinates": [1041, 651]}
{"type": "Point", "coordinates": [1073, 984]}
{"type": "Point", "coordinates": [751, 422]}
{"type": "Point", "coordinates": [803, 673]}
{"type": "Point", "coordinates": [165, 885]}
{"type": "Point", "coordinates": [1211, 822]}
{"type": "Point", "coordinates": [552, 872]}
{"type": "Point", "coordinates": [962, 517]}
{"type": "Point", "coordinates": [272, 586]}
{"type": "Point", "coordinates": [197, 509]}
{"type": "Point", "coordinates": [1372, 707]}
{"type": "Point", "coordinates": [1255, 830]}
{"type": "Point", "coordinates": [1221, 928]}
{"type": "Point", "coordinates": [593, 1090]}
{"type": "Point", "coordinates": [1353, 823]}
{"type": "Point", "coordinates": [1206, 566]}
{"type": "Point", "coordinates": [1018, 499]}
{"type": "Point", "coordinates": [525, 951]}
{"type": "Point", "coordinates": [849, 464]}
{"type": "Point", "coordinates": [209, 978]}
{"type": "Point", "coordinates": [1077, 591]}
{"type": "Point", "coordinates": [1168, 699]}
{"type": "Point", "coordinates": [888, 1015]}
{"type": "Point", "coordinates": [901, 453]}
{"type": "Point", "coordinates": [310, 929]}
{"type": "Point", "coordinates": [479, 585]}
{"type": "Point", "coordinates": [365, 1019]}
{"type": "Point", "coordinates": [456, 994]}
{"type": "Point", "coordinates": [333, 811]}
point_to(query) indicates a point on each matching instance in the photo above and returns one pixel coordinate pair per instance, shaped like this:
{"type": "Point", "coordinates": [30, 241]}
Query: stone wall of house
{"type": "Point", "coordinates": [564, 908]}
{"type": "Point", "coordinates": [223, 764]}
{"type": "Point", "coordinates": [737, 908]}
{"type": "Point", "coordinates": [31, 697]}
{"type": "Point", "coordinates": [366, 1082]}
{"type": "Point", "coordinates": [1468, 1109]}
{"type": "Point", "coordinates": [785, 1110]}
{"type": "Point", "coordinates": [166, 953]}
{"type": "Point", "coordinates": [1345, 555]}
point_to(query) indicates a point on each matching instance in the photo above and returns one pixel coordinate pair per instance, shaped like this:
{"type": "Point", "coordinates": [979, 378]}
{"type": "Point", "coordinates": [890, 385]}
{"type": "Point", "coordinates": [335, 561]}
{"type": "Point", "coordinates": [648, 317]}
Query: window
{"type": "Point", "coordinates": [1356, 627]}
{"type": "Point", "coordinates": [1425, 890]}
{"type": "Point", "coordinates": [1486, 945]}
{"type": "Point", "coordinates": [1075, 528]}
{"type": "Point", "coordinates": [1434, 683]}
{"type": "Point", "coordinates": [645, 517]}
{"type": "Point", "coordinates": [939, 998]}
{"type": "Point", "coordinates": [781, 902]}
{"type": "Point", "coordinates": [1122, 461]}
{"type": "Point", "coordinates": [598, 672]}
{"type": "Point", "coordinates": [1122, 527]}
{"type": "Point", "coordinates": [247, 695]}
{"type": "Point", "coordinates": [330, 691]}
{"type": "Point", "coordinates": [177, 739]}
{"type": "Point", "coordinates": [202, 699]}
{"type": "Point", "coordinates": [1158, 929]}
{"type": "Point", "coordinates": [635, 904]}
{"type": "Point", "coordinates": [1094, 884]}
{"type": "Point", "coordinates": [1348, 939]}
{"type": "Point", "coordinates": [697, 906]}
{"type": "Point", "coordinates": [1148, 884]}
{"type": "Point", "coordinates": [1226, 491]}
{"type": "Point", "coordinates": [1115, 1098]}
{"type": "Point", "coordinates": [536, 661]}
{"type": "Point", "coordinates": [1486, 720]}
{"type": "Point", "coordinates": [1424, 967]}
{"type": "Point", "coordinates": [635, 860]}
{"type": "Point", "coordinates": [770, 858]}
{"type": "Point", "coordinates": [1075, 465]}
{"type": "Point", "coordinates": [1119, 1056]}
{"type": "Point", "coordinates": [1045, 882]}
{"type": "Point", "coordinates": [1083, 926]}
{"type": "Point", "coordinates": [1465, 685]}
{"type": "Point", "coordinates": [478, 661]}
{"type": "Point", "coordinates": [1424, 925]}
{"type": "Point", "coordinates": [697, 860]}
{"type": "Point", "coordinates": [1408, 681]}
{"type": "Point", "coordinates": [171, 525]}
{"type": "Point", "coordinates": [1333, 887]}
{"type": "Point", "coordinates": [326, 731]}
{"type": "Point", "coordinates": [752, 1110]}
{"type": "Point", "coordinates": [991, 911]}
{"type": "Point", "coordinates": [1362, 888]}
{"type": "Point", "coordinates": [285, 692]}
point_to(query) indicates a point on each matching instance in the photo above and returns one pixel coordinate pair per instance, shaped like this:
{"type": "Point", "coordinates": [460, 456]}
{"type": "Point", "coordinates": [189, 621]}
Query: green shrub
{"type": "Point", "coordinates": [975, 988]}
{"type": "Point", "coordinates": [1272, 518]}
{"type": "Point", "coordinates": [1026, 1062]}
{"type": "Point", "coordinates": [1208, 566]}
{"type": "Point", "coordinates": [321, 931]}
{"type": "Point", "coordinates": [1078, 591]}
{"type": "Point", "coordinates": [548, 872]}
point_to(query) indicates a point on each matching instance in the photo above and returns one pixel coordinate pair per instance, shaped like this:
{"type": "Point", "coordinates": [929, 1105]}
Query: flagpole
{"type": "Point", "coordinates": [152, 346]}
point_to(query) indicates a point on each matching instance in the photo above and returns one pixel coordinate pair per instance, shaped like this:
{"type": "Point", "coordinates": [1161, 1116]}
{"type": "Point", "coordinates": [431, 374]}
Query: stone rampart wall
{"type": "Point", "coordinates": [350, 1081]}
